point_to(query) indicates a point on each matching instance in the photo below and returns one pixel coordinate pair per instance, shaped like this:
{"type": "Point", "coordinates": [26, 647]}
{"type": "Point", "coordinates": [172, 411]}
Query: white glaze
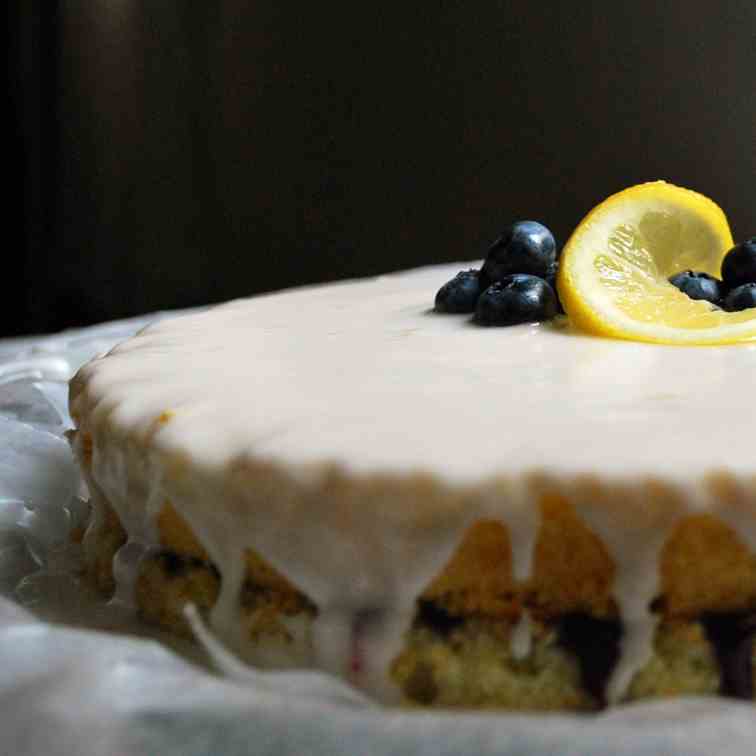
{"type": "Point", "coordinates": [521, 639]}
{"type": "Point", "coordinates": [126, 568]}
{"type": "Point", "coordinates": [522, 517]}
{"type": "Point", "coordinates": [266, 397]}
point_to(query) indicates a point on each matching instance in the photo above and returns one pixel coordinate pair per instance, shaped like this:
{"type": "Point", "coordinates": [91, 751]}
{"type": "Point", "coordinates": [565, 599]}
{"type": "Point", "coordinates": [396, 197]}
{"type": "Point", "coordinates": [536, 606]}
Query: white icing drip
{"type": "Point", "coordinates": [379, 641]}
{"type": "Point", "coordinates": [130, 484]}
{"type": "Point", "coordinates": [637, 642]}
{"type": "Point", "coordinates": [521, 639]}
{"type": "Point", "coordinates": [519, 510]}
{"type": "Point", "coordinates": [225, 615]}
{"type": "Point", "coordinates": [223, 659]}
{"type": "Point", "coordinates": [366, 606]}
{"type": "Point", "coordinates": [96, 523]}
{"type": "Point", "coordinates": [334, 644]}
{"type": "Point", "coordinates": [521, 514]}
{"type": "Point", "coordinates": [232, 667]}
{"type": "Point", "coordinates": [136, 499]}
{"type": "Point", "coordinates": [359, 646]}
{"type": "Point", "coordinates": [252, 389]}
{"type": "Point", "coordinates": [127, 564]}
{"type": "Point", "coordinates": [634, 527]}
{"type": "Point", "coordinates": [636, 648]}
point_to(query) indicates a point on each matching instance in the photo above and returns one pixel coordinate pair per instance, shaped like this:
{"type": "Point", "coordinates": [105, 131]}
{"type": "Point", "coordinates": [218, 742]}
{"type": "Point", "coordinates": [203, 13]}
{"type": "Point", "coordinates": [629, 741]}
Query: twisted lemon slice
{"type": "Point", "coordinates": [614, 268]}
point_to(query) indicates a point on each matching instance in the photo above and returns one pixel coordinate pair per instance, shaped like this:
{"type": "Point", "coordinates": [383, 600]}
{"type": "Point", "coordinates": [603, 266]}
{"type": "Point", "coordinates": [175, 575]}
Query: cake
{"type": "Point", "coordinates": [440, 514]}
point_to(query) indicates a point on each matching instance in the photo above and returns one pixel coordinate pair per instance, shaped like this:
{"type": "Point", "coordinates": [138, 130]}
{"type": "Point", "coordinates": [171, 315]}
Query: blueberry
{"type": "Point", "coordinates": [739, 264]}
{"type": "Point", "coordinates": [698, 285]}
{"type": "Point", "coordinates": [550, 278]}
{"type": "Point", "coordinates": [460, 294]}
{"type": "Point", "coordinates": [525, 247]}
{"type": "Point", "coordinates": [740, 298]}
{"type": "Point", "coordinates": [519, 298]}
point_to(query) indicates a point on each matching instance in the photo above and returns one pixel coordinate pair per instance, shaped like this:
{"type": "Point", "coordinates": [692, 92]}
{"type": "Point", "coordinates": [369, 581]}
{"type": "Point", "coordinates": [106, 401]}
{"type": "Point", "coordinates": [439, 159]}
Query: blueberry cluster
{"type": "Point", "coordinates": [737, 288]}
{"type": "Point", "coordinates": [517, 283]}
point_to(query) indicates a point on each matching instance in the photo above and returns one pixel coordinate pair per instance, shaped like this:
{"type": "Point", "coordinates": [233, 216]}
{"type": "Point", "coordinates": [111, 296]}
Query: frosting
{"type": "Point", "coordinates": [351, 436]}
{"type": "Point", "coordinates": [522, 636]}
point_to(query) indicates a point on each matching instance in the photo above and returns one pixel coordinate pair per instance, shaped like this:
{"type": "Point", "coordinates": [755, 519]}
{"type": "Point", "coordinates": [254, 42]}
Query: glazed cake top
{"type": "Point", "coordinates": [365, 375]}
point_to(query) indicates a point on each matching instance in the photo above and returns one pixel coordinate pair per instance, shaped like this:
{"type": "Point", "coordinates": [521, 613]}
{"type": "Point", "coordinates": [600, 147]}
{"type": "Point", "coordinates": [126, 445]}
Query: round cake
{"type": "Point", "coordinates": [439, 513]}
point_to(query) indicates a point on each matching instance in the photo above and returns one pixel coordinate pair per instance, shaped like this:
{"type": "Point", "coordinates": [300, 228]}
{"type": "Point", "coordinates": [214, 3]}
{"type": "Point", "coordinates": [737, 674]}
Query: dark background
{"type": "Point", "coordinates": [173, 154]}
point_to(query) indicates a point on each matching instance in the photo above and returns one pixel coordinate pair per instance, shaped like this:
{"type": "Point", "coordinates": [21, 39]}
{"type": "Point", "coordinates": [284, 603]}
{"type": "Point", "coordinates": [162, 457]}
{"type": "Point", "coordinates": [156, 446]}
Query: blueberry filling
{"type": "Point", "coordinates": [596, 645]}
{"type": "Point", "coordinates": [732, 636]}
{"type": "Point", "coordinates": [172, 563]}
{"type": "Point", "coordinates": [176, 565]}
{"type": "Point", "coordinates": [437, 618]}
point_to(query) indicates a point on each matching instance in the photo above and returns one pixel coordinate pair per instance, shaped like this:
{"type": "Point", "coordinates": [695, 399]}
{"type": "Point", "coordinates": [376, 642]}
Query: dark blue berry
{"type": "Point", "coordinates": [525, 247]}
{"type": "Point", "coordinates": [741, 298]}
{"type": "Point", "coordinates": [460, 294]}
{"type": "Point", "coordinates": [739, 264]}
{"type": "Point", "coordinates": [698, 285]}
{"type": "Point", "coordinates": [519, 298]}
{"type": "Point", "coordinates": [550, 278]}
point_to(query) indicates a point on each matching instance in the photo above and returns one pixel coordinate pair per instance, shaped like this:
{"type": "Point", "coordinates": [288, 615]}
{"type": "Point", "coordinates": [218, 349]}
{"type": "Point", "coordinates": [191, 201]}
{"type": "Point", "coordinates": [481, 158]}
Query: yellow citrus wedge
{"type": "Point", "coordinates": [614, 270]}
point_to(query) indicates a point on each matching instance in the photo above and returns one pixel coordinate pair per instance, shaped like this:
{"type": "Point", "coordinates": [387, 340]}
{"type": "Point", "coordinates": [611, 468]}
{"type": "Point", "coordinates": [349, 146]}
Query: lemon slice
{"type": "Point", "coordinates": [614, 270]}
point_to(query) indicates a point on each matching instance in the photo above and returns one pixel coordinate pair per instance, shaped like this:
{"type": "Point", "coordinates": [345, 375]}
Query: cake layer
{"type": "Point", "coordinates": [351, 438]}
{"type": "Point", "coordinates": [473, 661]}
{"type": "Point", "coordinates": [572, 570]}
